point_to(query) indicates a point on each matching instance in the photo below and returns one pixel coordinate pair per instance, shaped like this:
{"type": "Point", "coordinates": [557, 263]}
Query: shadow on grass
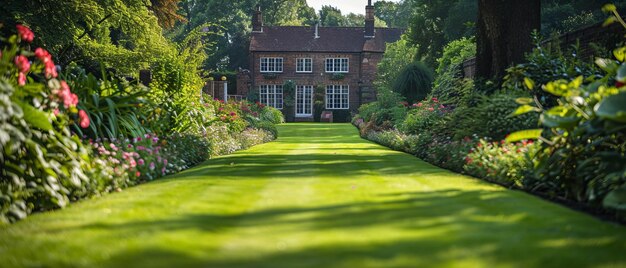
{"type": "Point", "coordinates": [496, 227]}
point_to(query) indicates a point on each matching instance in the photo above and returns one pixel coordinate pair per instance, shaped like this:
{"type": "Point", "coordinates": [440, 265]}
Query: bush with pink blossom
{"type": "Point", "coordinates": [43, 165]}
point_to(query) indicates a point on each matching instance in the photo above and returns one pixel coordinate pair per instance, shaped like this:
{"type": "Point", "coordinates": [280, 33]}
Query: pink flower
{"type": "Point", "coordinates": [132, 162]}
{"type": "Point", "coordinates": [83, 119]}
{"type": "Point", "coordinates": [56, 111]}
{"type": "Point", "coordinates": [25, 33]}
{"type": "Point", "coordinates": [232, 114]}
{"type": "Point", "coordinates": [50, 70]}
{"type": "Point", "coordinates": [152, 166]}
{"type": "Point", "coordinates": [431, 109]}
{"type": "Point", "coordinates": [21, 79]}
{"type": "Point", "coordinates": [419, 104]}
{"type": "Point", "coordinates": [165, 162]}
{"type": "Point", "coordinates": [22, 63]}
{"type": "Point", "coordinates": [141, 162]}
{"type": "Point", "coordinates": [44, 56]}
{"type": "Point", "coordinates": [435, 100]}
{"type": "Point", "coordinates": [137, 174]}
{"type": "Point", "coordinates": [163, 170]}
{"type": "Point", "coordinates": [69, 99]}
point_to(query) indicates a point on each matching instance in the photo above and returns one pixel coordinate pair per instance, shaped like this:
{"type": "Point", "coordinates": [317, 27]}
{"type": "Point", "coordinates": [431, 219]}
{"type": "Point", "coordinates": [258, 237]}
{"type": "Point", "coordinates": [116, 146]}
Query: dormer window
{"type": "Point", "coordinates": [337, 65]}
{"type": "Point", "coordinates": [271, 65]}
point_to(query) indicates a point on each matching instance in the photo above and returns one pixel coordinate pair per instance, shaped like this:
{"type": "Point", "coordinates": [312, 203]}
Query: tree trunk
{"type": "Point", "coordinates": [504, 34]}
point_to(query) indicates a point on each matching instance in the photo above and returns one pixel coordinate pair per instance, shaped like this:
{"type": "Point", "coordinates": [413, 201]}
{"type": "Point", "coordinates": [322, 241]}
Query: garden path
{"type": "Point", "coordinates": [319, 196]}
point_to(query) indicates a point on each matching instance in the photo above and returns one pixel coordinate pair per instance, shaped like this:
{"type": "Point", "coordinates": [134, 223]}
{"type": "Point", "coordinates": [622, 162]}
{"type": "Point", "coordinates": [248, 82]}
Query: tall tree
{"type": "Point", "coordinates": [504, 34]}
{"type": "Point", "coordinates": [331, 16]}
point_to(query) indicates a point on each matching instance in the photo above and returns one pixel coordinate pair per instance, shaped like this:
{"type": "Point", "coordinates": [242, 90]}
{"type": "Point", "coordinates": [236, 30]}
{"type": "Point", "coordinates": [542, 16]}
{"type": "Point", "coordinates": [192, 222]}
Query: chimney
{"type": "Point", "coordinates": [317, 30]}
{"type": "Point", "coordinates": [369, 20]}
{"type": "Point", "coordinates": [257, 20]}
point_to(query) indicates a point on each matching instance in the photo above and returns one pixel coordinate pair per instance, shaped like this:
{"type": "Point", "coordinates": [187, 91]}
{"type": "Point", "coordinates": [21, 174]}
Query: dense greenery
{"type": "Point", "coordinates": [75, 135]}
{"type": "Point", "coordinates": [463, 126]}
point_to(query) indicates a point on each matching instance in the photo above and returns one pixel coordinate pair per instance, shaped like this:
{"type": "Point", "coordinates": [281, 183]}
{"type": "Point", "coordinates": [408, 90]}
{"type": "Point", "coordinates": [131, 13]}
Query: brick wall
{"type": "Point", "coordinates": [362, 68]}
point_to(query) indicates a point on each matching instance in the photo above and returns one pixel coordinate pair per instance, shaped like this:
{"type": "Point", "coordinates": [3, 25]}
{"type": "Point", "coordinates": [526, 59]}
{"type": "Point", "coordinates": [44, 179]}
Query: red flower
{"type": "Point", "coordinates": [83, 118]}
{"type": "Point", "coordinates": [619, 84]}
{"type": "Point", "coordinates": [233, 114]}
{"type": "Point", "coordinates": [25, 33]}
{"type": "Point", "coordinates": [21, 79]}
{"type": "Point", "coordinates": [435, 100]}
{"type": "Point", "coordinates": [22, 63]}
{"type": "Point", "coordinates": [419, 104]}
{"type": "Point", "coordinates": [137, 174]}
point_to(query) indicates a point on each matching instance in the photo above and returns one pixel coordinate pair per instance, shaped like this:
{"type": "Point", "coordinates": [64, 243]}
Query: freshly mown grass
{"type": "Point", "coordinates": [319, 196]}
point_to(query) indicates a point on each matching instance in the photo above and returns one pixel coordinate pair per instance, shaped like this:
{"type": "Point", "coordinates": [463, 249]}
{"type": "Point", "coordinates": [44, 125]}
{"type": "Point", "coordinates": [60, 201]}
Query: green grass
{"type": "Point", "coordinates": [319, 196]}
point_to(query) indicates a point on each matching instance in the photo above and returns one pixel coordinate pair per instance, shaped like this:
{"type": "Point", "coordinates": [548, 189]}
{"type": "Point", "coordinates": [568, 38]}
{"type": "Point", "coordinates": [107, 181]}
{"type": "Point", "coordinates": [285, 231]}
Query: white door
{"type": "Point", "coordinates": [304, 101]}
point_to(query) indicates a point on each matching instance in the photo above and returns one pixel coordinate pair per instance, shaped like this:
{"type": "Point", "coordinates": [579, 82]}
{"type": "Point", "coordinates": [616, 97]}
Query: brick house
{"type": "Point", "coordinates": [338, 61]}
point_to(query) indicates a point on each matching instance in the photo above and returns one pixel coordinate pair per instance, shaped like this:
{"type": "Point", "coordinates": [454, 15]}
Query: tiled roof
{"type": "Point", "coordinates": [331, 39]}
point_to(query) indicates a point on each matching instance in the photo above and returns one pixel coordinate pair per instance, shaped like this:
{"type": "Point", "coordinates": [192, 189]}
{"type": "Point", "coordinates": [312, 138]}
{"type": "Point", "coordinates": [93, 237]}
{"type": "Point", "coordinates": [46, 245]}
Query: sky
{"type": "Point", "coordinates": [346, 6]}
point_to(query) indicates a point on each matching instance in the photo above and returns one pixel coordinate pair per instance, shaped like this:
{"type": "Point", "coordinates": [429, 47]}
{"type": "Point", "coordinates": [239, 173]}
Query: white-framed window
{"type": "Point", "coordinates": [337, 97]}
{"type": "Point", "coordinates": [337, 65]}
{"type": "Point", "coordinates": [271, 95]}
{"type": "Point", "coordinates": [304, 65]}
{"type": "Point", "coordinates": [271, 65]}
{"type": "Point", "coordinates": [304, 101]}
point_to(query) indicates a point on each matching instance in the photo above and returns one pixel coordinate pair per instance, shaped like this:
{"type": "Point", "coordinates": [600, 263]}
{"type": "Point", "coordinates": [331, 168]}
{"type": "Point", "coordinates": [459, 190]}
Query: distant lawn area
{"type": "Point", "coordinates": [319, 196]}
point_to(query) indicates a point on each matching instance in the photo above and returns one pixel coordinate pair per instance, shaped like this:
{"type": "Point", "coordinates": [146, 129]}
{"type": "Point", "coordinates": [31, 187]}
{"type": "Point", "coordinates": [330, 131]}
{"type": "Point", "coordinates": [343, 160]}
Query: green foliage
{"type": "Point", "coordinates": [44, 166]}
{"type": "Point", "coordinates": [501, 162]}
{"type": "Point", "coordinates": [414, 82]}
{"type": "Point", "coordinates": [397, 56]}
{"type": "Point", "coordinates": [449, 85]}
{"type": "Point", "coordinates": [272, 115]}
{"type": "Point", "coordinates": [189, 150]}
{"type": "Point", "coordinates": [113, 105]}
{"type": "Point", "coordinates": [544, 65]}
{"type": "Point", "coordinates": [424, 116]}
{"type": "Point", "coordinates": [119, 34]}
{"type": "Point", "coordinates": [388, 108]}
{"type": "Point", "coordinates": [495, 113]}
{"type": "Point", "coordinates": [584, 153]}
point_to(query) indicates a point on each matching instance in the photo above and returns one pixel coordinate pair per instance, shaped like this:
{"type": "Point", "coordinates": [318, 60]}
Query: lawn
{"type": "Point", "coordinates": [319, 196]}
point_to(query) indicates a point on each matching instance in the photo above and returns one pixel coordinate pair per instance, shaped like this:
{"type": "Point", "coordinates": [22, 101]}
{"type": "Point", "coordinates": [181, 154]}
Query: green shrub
{"type": "Point", "coordinates": [584, 154]}
{"type": "Point", "coordinates": [267, 126]}
{"type": "Point", "coordinates": [414, 82]}
{"type": "Point", "coordinates": [251, 137]}
{"type": "Point", "coordinates": [272, 115]}
{"type": "Point", "coordinates": [43, 165]}
{"type": "Point", "coordinates": [548, 64]}
{"type": "Point", "coordinates": [496, 110]}
{"type": "Point", "coordinates": [424, 116]}
{"type": "Point", "coordinates": [187, 150]}
{"type": "Point", "coordinates": [397, 56]}
{"type": "Point", "coordinates": [449, 86]}
{"type": "Point", "coordinates": [501, 162]}
{"type": "Point", "coordinates": [112, 104]}
{"type": "Point", "coordinates": [388, 108]}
